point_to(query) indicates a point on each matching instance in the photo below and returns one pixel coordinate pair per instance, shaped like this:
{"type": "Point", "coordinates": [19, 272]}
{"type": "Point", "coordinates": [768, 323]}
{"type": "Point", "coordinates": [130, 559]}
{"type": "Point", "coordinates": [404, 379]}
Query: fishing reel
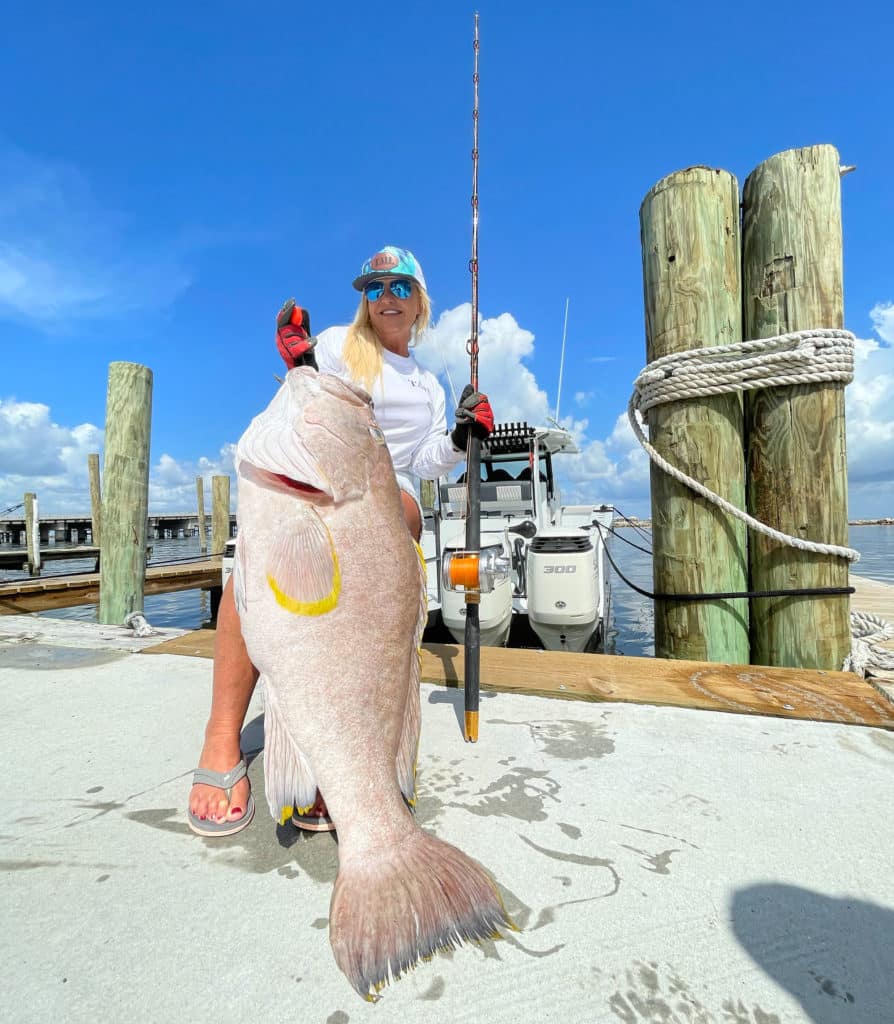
{"type": "Point", "coordinates": [474, 572]}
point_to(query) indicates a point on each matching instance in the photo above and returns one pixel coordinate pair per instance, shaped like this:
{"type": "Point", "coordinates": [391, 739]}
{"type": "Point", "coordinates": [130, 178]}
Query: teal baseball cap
{"type": "Point", "coordinates": [390, 259]}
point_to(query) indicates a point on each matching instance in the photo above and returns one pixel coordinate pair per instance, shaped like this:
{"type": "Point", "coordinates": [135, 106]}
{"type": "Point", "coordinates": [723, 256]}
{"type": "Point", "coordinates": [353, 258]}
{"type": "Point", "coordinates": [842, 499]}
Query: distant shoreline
{"type": "Point", "coordinates": [632, 521]}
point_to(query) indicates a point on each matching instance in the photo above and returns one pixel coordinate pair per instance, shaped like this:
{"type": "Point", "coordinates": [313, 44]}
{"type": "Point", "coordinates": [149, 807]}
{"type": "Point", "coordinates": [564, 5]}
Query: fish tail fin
{"type": "Point", "coordinates": [289, 783]}
{"type": "Point", "coordinates": [417, 897]}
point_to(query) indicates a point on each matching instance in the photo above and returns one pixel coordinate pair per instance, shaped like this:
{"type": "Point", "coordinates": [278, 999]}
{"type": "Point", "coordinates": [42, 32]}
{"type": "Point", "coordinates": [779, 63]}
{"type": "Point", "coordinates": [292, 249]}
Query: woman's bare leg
{"type": "Point", "coordinates": [411, 514]}
{"type": "Point", "coordinates": [233, 683]}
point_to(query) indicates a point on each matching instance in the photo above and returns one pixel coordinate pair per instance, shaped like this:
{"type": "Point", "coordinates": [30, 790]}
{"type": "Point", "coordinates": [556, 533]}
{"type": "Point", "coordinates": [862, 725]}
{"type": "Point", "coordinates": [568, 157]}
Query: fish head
{"type": "Point", "coordinates": [318, 439]}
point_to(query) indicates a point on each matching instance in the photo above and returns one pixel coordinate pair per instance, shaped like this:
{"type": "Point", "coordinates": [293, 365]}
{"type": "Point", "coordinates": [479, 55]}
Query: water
{"type": "Point", "coordinates": [184, 609]}
{"type": "Point", "coordinates": [631, 624]}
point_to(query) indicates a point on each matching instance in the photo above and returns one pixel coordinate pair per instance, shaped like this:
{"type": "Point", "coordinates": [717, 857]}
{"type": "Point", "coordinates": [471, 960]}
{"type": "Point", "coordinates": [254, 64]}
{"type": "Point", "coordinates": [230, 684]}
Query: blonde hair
{"type": "Point", "coordinates": [362, 352]}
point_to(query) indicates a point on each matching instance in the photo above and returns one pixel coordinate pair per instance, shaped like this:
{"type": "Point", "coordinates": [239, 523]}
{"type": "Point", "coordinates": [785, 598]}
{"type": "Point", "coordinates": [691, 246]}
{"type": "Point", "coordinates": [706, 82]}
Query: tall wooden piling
{"type": "Point", "coordinates": [95, 498]}
{"type": "Point", "coordinates": [797, 465]}
{"type": "Point", "coordinates": [220, 513]}
{"type": "Point", "coordinates": [200, 501]}
{"type": "Point", "coordinates": [689, 224]}
{"type": "Point", "coordinates": [32, 533]}
{"type": "Point", "coordinates": [125, 504]}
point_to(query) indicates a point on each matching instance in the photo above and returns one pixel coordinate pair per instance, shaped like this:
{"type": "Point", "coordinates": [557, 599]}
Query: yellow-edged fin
{"type": "Point", "coordinates": [303, 570]}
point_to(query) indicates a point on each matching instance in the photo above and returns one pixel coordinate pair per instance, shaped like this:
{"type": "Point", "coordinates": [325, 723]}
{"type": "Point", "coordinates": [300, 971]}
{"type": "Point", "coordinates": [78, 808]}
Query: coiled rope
{"type": "Point", "coordinates": [818, 356]}
{"type": "Point", "coordinates": [801, 357]}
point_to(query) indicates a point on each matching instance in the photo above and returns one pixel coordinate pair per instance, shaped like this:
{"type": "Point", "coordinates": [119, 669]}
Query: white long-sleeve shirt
{"type": "Point", "coordinates": [409, 405]}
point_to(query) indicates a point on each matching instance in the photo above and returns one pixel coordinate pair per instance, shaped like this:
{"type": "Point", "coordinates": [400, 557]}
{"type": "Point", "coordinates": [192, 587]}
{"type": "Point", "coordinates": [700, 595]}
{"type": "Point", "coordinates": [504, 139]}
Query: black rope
{"type": "Point", "coordinates": [635, 526]}
{"type": "Point", "coordinates": [621, 537]}
{"type": "Point", "coordinates": [798, 592]}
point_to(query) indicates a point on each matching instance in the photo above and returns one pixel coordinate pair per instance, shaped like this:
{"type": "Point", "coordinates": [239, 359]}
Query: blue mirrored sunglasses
{"type": "Point", "coordinates": [400, 288]}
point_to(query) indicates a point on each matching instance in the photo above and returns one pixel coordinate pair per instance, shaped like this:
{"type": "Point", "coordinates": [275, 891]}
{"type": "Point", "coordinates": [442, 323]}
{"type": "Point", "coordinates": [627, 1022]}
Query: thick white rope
{"type": "Point", "coordinates": [802, 357]}
{"type": "Point", "coordinates": [866, 654]}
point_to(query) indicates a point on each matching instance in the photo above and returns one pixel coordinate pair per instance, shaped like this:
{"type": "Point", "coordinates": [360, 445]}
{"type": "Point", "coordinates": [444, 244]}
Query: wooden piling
{"type": "Point", "coordinates": [220, 513]}
{"type": "Point", "coordinates": [689, 224]}
{"type": "Point", "coordinates": [32, 533]}
{"type": "Point", "coordinates": [200, 499]}
{"type": "Point", "coordinates": [797, 466]}
{"type": "Point", "coordinates": [95, 498]}
{"type": "Point", "coordinates": [427, 490]}
{"type": "Point", "coordinates": [125, 501]}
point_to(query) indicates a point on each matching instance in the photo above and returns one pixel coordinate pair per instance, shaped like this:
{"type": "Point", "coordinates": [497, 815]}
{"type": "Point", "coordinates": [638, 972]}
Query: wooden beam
{"type": "Point", "coordinates": [740, 689]}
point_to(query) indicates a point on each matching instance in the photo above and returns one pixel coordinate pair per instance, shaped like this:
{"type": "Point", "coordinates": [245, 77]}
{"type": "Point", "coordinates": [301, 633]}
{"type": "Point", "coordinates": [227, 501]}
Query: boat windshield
{"type": "Point", "coordinates": [493, 471]}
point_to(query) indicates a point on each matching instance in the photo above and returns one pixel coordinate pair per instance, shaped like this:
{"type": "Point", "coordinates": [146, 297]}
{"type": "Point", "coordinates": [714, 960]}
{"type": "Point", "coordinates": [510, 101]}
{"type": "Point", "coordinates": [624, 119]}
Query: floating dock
{"type": "Point", "coordinates": [17, 558]}
{"type": "Point", "coordinates": [44, 593]}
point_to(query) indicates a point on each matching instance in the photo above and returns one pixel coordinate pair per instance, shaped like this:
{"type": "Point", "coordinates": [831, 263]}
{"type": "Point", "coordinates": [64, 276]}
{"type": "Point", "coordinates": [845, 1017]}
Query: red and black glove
{"type": "Point", "coordinates": [472, 414]}
{"type": "Point", "coordinates": [293, 337]}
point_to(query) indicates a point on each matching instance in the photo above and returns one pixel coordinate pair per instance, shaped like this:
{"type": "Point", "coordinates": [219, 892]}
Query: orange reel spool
{"type": "Point", "coordinates": [464, 572]}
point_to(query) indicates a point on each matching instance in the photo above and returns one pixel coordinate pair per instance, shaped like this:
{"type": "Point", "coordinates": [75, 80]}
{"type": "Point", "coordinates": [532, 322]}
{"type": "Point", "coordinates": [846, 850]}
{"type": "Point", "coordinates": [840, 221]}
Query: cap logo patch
{"type": "Point", "coordinates": [383, 261]}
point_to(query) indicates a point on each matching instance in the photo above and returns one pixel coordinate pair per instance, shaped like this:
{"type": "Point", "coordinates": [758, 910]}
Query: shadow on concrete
{"type": "Point", "coordinates": [251, 739]}
{"type": "Point", "coordinates": [834, 955]}
{"type": "Point", "coordinates": [457, 697]}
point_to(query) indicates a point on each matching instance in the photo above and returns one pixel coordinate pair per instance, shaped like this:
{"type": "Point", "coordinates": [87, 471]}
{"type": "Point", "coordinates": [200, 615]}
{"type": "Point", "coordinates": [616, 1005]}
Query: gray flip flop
{"type": "Point", "coordinates": [225, 781]}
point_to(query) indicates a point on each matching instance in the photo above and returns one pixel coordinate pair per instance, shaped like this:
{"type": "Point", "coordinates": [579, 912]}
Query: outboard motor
{"type": "Point", "coordinates": [563, 595]}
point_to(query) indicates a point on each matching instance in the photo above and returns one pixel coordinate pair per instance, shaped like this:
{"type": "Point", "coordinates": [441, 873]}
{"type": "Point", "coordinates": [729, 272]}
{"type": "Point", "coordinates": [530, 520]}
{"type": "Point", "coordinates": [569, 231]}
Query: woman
{"type": "Point", "coordinates": [374, 352]}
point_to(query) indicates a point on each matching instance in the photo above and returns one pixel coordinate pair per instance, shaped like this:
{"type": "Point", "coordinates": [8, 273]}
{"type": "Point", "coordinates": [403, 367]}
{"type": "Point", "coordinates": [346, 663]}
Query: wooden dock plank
{"type": "Point", "coordinates": [742, 689]}
{"type": "Point", "coordinates": [15, 558]}
{"type": "Point", "coordinates": [18, 597]}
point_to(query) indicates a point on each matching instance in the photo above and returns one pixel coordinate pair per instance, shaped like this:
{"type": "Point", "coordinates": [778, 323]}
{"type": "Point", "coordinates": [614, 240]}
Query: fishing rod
{"type": "Point", "coordinates": [467, 570]}
{"type": "Point", "coordinates": [472, 644]}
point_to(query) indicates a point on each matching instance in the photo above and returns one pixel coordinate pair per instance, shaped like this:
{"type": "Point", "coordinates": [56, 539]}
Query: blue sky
{"type": "Point", "coordinates": [168, 175]}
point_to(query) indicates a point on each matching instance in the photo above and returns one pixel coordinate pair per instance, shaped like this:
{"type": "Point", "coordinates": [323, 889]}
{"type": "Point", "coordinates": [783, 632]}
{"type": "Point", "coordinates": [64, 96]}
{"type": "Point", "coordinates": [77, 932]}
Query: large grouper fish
{"type": "Point", "coordinates": [330, 589]}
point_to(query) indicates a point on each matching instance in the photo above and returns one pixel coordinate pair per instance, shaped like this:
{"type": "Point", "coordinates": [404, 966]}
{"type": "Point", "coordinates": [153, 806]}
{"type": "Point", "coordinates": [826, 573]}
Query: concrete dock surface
{"type": "Point", "coordinates": [662, 864]}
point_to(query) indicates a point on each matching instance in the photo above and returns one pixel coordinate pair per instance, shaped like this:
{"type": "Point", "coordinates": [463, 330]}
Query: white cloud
{"type": "Point", "coordinates": [870, 421]}
{"type": "Point", "coordinates": [612, 469]}
{"type": "Point", "coordinates": [39, 455]}
{"type": "Point", "coordinates": [511, 387]}
{"type": "Point", "coordinates": [882, 316]}
{"type": "Point", "coordinates": [65, 256]}
{"type": "Point", "coordinates": [50, 460]}
{"type": "Point", "coordinates": [172, 484]}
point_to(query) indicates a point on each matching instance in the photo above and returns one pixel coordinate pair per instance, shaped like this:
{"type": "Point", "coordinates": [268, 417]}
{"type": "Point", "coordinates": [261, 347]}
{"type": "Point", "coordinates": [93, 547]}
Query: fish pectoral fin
{"type": "Point", "coordinates": [303, 570]}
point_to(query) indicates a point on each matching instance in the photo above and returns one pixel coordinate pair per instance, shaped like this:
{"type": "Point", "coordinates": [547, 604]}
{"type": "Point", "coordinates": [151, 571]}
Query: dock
{"type": "Point", "coordinates": [17, 558]}
{"type": "Point", "coordinates": [660, 863]}
{"type": "Point", "coordinates": [45, 593]}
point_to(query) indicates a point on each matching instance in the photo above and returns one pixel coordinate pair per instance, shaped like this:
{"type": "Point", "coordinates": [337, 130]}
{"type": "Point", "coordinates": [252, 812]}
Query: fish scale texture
{"type": "Point", "coordinates": [337, 646]}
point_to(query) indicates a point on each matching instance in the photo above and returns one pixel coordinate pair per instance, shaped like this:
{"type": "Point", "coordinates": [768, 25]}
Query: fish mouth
{"type": "Point", "coordinates": [297, 485]}
{"type": "Point", "coordinates": [285, 484]}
